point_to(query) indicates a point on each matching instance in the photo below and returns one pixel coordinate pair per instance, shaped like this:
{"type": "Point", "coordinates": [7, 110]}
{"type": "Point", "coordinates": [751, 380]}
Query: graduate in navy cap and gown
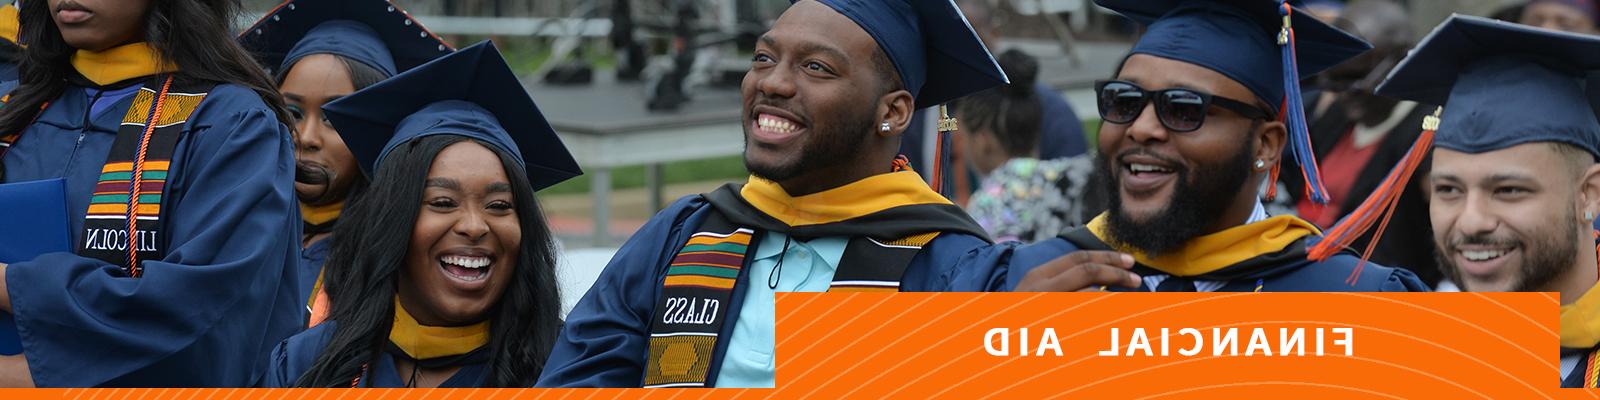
{"type": "Point", "coordinates": [688, 300]}
{"type": "Point", "coordinates": [1191, 128]}
{"type": "Point", "coordinates": [179, 189]}
{"type": "Point", "coordinates": [1514, 184]}
{"type": "Point", "coordinates": [451, 259]}
{"type": "Point", "coordinates": [319, 51]}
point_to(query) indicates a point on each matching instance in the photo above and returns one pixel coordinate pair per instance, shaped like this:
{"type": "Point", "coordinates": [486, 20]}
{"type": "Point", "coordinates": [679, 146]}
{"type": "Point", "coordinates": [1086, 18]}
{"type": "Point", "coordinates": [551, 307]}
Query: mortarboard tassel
{"type": "Point", "coordinates": [941, 151]}
{"type": "Point", "coordinates": [1381, 203]}
{"type": "Point", "coordinates": [1294, 113]}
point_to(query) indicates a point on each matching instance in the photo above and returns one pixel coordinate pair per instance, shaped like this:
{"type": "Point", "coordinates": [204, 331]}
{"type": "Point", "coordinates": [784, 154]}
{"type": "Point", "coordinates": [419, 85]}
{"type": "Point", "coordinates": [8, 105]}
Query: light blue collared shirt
{"type": "Point", "coordinates": [807, 267]}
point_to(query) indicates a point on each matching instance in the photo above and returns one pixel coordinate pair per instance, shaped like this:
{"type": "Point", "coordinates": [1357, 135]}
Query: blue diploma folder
{"type": "Point", "coordinates": [35, 215]}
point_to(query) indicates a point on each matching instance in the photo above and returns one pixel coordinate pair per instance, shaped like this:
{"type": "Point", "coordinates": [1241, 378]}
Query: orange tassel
{"type": "Point", "coordinates": [1272, 182]}
{"type": "Point", "coordinates": [1379, 207]}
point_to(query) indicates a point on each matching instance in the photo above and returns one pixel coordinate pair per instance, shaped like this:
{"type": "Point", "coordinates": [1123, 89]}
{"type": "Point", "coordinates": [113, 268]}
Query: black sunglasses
{"type": "Point", "coordinates": [1180, 110]}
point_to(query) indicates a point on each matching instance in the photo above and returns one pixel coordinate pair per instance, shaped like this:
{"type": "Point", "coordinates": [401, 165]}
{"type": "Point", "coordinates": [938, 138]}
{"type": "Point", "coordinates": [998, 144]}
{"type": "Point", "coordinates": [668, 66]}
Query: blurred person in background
{"type": "Point", "coordinates": [1362, 136]}
{"type": "Point", "coordinates": [1576, 16]}
{"type": "Point", "coordinates": [1023, 196]}
{"type": "Point", "coordinates": [1060, 131]}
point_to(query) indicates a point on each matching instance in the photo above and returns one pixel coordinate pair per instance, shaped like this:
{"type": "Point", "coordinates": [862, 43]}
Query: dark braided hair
{"type": "Point", "coordinates": [1013, 112]}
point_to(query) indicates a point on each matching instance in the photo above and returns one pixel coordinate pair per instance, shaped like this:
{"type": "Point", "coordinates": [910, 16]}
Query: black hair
{"type": "Point", "coordinates": [888, 76]}
{"type": "Point", "coordinates": [361, 75]}
{"type": "Point", "coordinates": [1013, 113]}
{"type": "Point", "coordinates": [365, 263]}
{"type": "Point", "coordinates": [194, 35]}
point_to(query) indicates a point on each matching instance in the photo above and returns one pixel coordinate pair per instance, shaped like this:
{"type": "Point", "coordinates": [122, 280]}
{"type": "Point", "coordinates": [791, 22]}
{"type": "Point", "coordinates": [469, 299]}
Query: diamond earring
{"type": "Point", "coordinates": [1261, 164]}
{"type": "Point", "coordinates": [884, 127]}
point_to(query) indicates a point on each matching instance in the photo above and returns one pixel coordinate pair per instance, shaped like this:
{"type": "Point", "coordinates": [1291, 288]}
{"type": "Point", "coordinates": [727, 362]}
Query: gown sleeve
{"type": "Point", "coordinates": [278, 375]}
{"type": "Point", "coordinates": [961, 263]}
{"type": "Point", "coordinates": [1403, 280]}
{"type": "Point", "coordinates": [209, 312]}
{"type": "Point", "coordinates": [604, 341]}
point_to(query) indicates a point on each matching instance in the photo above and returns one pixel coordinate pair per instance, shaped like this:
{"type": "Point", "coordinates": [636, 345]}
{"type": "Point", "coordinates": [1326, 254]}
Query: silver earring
{"type": "Point", "coordinates": [884, 127]}
{"type": "Point", "coordinates": [1588, 215]}
{"type": "Point", "coordinates": [1261, 164]}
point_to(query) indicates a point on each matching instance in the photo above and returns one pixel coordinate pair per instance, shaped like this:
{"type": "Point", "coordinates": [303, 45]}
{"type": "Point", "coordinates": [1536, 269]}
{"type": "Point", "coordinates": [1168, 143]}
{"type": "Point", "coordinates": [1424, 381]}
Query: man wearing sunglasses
{"type": "Point", "coordinates": [1190, 131]}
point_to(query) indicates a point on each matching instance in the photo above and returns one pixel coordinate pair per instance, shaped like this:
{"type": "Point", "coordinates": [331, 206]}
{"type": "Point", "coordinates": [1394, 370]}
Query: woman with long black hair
{"type": "Point", "coordinates": [178, 180]}
{"type": "Point", "coordinates": [319, 51]}
{"type": "Point", "coordinates": [447, 264]}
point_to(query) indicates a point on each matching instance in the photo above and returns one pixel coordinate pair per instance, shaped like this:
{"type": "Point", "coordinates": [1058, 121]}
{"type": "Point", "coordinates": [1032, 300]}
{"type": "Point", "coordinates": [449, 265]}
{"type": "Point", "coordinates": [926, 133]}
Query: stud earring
{"type": "Point", "coordinates": [884, 127]}
{"type": "Point", "coordinates": [1588, 215]}
{"type": "Point", "coordinates": [1261, 164]}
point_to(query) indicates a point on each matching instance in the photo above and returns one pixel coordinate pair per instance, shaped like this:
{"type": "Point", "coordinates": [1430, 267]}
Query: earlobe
{"type": "Point", "coordinates": [1589, 193]}
{"type": "Point", "coordinates": [1272, 136]}
{"type": "Point", "coordinates": [895, 111]}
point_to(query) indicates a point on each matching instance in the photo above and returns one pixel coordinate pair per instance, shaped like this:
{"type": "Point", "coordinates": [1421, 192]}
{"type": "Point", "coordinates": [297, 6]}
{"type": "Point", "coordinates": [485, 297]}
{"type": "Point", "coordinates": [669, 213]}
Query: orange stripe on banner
{"type": "Point", "coordinates": [699, 280]}
{"type": "Point", "coordinates": [740, 238]}
{"type": "Point", "coordinates": [121, 209]}
{"type": "Point", "coordinates": [128, 166]}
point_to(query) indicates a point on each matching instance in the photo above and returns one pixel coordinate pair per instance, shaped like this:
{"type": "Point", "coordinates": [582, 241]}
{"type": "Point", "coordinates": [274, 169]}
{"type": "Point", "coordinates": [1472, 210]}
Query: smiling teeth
{"type": "Point", "coordinates": [1146, 168]}
{"type": "Point", "coordinates": [775, 124]}
{"type": "Point", "coordinates": [466, 262]}
{"type": "Point", "coordinates": [1482, 255]}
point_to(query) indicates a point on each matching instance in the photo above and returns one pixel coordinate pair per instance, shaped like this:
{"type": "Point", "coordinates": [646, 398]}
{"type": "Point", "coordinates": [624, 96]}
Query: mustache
{"type": "Point", "coordinates": [1482, 240]}
{"type": "Point", "coordinates": [1173, 164]}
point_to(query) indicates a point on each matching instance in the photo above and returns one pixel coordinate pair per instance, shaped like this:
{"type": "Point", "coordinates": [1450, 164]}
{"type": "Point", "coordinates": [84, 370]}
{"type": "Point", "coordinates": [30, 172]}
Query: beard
{"type": "Point", "coordinates": [1194, 206]}
{"type": "Point", "coordinates": [1544, 257]}
{"type": "Point", "coordinates": [828, 143]}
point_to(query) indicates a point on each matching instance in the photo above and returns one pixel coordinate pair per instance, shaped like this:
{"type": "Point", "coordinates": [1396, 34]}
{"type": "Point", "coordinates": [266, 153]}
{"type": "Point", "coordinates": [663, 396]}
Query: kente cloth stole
{"type": "Point", "coordinates": [121, 225]}
{"type": "Point", "coordinates": [699, 286]}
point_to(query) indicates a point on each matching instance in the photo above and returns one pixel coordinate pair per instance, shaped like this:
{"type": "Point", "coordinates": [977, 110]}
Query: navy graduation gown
{"type": "Point", "coordinates": [210, 311]}
{"type": "Point", "coordinates": [1300, 275]}
{"type": "Point", "coordinates": [310, 268]}
{"type": "Point", "coordinates": [296, 354]}
{"type": "Point", "coordinates": [605, 341]}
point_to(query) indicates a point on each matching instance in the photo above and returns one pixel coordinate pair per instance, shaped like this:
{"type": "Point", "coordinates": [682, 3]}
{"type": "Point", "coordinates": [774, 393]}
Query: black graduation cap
{"type": "Point", "coordinates": [373, 32]}
{"type": "Point", "coordinates": [471, 93]}
{"type": "Point", "coordinates": [1265, 45]}
{"type": "Point", "coordinates": [1502, 84]}
{"type": "Point", "coordinates": [931, 44]}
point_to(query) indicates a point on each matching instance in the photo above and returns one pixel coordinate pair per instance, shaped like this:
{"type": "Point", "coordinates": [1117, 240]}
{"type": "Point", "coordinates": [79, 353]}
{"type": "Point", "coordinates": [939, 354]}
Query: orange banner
{"type": "Point", "coordinates": [1157, 345]}
{"type": "Point", "coordinates": [1100, 346]}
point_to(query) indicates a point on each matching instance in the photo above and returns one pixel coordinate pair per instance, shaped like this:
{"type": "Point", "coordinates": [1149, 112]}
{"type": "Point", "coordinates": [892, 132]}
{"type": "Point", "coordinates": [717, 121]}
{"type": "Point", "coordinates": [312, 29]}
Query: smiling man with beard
{"type": "Point", "coordinates": [1190, 132]}
{"type": "Point", "coordinates": [688, 301]}
{"type": "Point", "coordinates": [1514, 183]}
